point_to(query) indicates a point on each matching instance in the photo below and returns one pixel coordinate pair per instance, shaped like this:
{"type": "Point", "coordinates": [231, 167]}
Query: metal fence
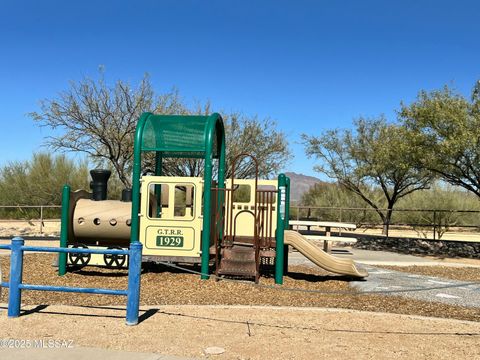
{"type": "Point", "coordinates": [35, 215]}
{"type": "Point", "coordinates": [428, 223]}
{"type": "Point", "coordinates": [432, 223]}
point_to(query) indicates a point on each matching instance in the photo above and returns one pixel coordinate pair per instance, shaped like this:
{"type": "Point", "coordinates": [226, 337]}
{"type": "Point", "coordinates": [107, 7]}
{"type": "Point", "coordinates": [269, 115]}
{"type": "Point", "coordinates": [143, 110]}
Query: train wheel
{"type": "Point", "coordinates": [79, 260]}
{"type": "Point", "coordinates": [114, 261]}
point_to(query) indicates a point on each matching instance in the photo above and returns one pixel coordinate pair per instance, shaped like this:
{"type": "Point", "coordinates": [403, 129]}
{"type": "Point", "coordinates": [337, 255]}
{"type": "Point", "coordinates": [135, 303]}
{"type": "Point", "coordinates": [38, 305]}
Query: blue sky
{"type": "Point", "coordinates": [311, 65]}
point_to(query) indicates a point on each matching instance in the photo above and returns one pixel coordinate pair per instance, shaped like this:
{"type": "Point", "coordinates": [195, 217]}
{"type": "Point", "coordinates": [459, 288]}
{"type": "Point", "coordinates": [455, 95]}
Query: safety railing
{"type": "Point", "coordinates": [220, 207]}
{"type": "Point", "coordinates": [266, 208]}
{"type": "Point", "coordinates": [16, 286]}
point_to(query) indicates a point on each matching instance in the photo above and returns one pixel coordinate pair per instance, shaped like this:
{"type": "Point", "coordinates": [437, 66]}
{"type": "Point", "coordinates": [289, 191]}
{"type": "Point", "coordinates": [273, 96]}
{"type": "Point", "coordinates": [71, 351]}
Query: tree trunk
{"type": "Point", "coordinates": [386, 220]}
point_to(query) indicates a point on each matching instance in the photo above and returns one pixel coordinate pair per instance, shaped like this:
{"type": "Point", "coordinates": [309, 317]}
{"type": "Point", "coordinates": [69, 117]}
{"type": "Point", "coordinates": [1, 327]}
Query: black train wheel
{"type": "Point", "coordinates": [77, 259]}
{"type": "Point", "coordinates": [114, 261]}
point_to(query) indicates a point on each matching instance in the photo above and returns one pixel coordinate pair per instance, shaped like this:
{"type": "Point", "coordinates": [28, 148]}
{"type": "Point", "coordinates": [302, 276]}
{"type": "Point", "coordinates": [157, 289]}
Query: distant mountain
{"type": "Point", "coordinates": [299, 184]}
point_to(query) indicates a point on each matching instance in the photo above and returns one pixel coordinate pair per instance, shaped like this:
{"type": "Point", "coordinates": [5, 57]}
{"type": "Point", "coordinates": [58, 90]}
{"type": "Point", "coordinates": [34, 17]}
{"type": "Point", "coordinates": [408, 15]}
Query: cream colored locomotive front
{"type": "Point", "coordinates": [171, 216]}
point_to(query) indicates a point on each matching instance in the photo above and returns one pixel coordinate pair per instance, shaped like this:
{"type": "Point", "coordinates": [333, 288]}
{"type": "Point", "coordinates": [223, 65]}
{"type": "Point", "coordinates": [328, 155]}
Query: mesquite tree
{"type": "Point", "coordinates": [374, 155]}
{"type": "Point", "coordinates": [446, 129]}
{"type": "Point", "coordinates": [92, 118]}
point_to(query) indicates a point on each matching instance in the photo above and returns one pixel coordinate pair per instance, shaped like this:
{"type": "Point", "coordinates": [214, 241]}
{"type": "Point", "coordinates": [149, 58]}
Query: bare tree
{"type": "Point", "coordinates": [259, 138]}
{"type": "Point", "coordinates": [92, 118]}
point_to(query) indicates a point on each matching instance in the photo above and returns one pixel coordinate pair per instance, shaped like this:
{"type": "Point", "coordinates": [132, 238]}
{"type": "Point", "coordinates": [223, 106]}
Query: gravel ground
{"type": "Point", "coordinates": [162, 286]}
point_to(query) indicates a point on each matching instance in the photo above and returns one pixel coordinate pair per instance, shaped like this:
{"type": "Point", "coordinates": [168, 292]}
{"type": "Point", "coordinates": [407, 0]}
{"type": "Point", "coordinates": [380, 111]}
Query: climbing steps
{"type": "Point", "coordinates": [238, 260]}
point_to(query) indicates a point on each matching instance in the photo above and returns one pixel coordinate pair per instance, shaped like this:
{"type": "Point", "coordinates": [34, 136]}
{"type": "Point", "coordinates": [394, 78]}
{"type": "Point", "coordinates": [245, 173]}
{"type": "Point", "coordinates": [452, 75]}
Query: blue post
{"type": "Point", "coordinates": [16, 270]}
{"type": "Point", "coordinates": [133, 292]}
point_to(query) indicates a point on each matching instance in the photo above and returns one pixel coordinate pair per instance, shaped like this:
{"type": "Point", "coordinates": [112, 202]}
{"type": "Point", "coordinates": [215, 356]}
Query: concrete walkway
{"type": "Point", "coordinates": [369, 257]}
{"type": "Point", "coordinates": [82, 353]}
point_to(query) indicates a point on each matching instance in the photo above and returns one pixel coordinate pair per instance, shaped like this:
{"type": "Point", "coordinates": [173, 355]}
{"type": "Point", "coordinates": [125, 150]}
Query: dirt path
{"type": "Point", "coordinates": [253, 332]}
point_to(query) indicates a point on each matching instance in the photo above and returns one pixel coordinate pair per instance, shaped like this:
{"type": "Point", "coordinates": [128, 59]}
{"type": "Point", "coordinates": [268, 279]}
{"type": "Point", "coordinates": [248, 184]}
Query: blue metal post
{"type": "Point", "coordinates": [16, 270]}
{"type": "Point", "coordinates": [133, 292]}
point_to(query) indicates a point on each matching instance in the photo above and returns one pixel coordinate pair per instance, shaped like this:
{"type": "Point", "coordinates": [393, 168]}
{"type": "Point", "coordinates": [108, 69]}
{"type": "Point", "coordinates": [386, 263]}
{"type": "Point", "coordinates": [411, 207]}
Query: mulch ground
{"type": "Point", "coordinates": [161, 285]}
{"type": "Point", "coordinates": [446, 272]}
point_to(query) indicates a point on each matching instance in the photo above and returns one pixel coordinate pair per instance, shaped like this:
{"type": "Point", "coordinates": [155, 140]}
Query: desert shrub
{"type": "Point", "coordinates": [39, 181]}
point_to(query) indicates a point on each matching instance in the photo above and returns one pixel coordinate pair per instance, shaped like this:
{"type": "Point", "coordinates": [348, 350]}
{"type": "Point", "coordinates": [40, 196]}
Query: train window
{"type": "Point", "coordinates": [159, 196]}
{"type": "Point", "coordinates": [184, 195]}
{"type": "Point", "coordinates": [241, 194]}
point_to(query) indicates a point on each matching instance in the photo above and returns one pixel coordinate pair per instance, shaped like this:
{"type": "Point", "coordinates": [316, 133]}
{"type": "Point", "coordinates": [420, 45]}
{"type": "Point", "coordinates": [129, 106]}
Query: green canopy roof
{"type": "Point", "coordinates": [180, 136]}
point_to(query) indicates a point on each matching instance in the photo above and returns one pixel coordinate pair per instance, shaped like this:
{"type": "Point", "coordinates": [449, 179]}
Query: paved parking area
{"type": "Point", "coordinates": [395, 283]}
{"type": "Point", "coordinates": [420, 287]}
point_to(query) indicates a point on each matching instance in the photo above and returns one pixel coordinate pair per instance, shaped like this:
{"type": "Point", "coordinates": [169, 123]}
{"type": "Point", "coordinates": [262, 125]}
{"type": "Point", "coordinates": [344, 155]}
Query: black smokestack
{"type": "Point", "coordinates": [127, 195]}
{"type": "Point", "coordinates": [99, 183]}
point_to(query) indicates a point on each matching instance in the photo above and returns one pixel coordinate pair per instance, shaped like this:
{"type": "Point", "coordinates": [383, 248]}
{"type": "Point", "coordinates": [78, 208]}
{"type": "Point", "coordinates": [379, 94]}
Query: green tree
{"type": "Point", "coordinates": [39, 181]}
{"type": "Point", "coordinates": [375, 155]}
{"type": "Point", "coordinates": [98, 120]}
{"type": "Point", "coordinates": [445, 129]}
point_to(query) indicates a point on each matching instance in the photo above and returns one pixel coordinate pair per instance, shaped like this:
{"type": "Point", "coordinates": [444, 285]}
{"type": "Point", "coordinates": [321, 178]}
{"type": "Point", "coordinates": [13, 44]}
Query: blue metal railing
{"type": "Point", "coordinates": [16, 286]}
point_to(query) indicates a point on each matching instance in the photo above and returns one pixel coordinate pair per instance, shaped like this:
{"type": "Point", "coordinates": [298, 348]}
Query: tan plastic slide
{"type": "Point", "coordinates": [320, 257]}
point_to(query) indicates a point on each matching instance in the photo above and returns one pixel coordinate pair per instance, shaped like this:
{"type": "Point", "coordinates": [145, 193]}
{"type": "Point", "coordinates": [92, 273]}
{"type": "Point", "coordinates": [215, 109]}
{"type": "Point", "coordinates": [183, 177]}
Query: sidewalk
{"type": "Point", "coordinates": [369, 257]}
{"type": "Point", "coordinates": [81, 353]}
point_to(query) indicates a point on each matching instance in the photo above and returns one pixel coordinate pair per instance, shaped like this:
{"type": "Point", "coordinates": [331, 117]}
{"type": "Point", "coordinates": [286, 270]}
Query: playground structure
{"type": "Point", "coordinates": [235, 226]}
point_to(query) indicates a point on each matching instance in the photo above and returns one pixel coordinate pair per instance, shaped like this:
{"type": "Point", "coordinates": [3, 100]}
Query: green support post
{"type": "Point", "coordinates": [62, 257]}
{"type": "Point", "coordinates": [221, 181]}
{"type": "Point", "coordinates": [287, 225]}
{"type": "Point", "coordinates": [207, 198]}
{"type": "Point", "coordinates": [279, 247]}
{"type": "Point", "coordinates": [207, 185]}
{"type": "Point", "coordinates": [137, 160]}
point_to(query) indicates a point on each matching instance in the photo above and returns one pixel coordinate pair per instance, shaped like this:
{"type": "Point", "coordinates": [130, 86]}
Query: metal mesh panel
{"type": "Point", "coordinates": [176, 135]}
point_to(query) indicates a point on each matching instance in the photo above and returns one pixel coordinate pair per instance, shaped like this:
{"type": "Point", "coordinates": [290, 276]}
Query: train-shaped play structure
{"type": "Point", "coordinates": [232, 227]}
